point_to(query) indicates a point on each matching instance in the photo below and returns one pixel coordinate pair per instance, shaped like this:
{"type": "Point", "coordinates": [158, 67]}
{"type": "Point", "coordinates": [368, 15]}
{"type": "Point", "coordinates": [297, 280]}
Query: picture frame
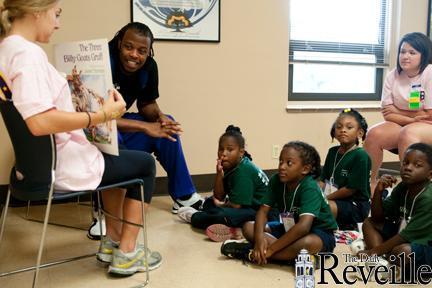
{"type": "Point", "coordinates": [179, 20]}
{"type": "Point", "coordinates": [429, 20]}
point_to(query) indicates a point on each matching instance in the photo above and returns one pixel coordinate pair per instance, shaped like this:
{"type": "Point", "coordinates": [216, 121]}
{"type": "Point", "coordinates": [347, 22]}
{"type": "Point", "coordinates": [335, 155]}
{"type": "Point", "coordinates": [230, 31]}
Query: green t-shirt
{"type": "Point", "coordinates": [246, 184]}
{"type": "Point", "coordinates": [352, 171]}
{"type": "Point", "coordinates": [308, 200]}
{"type": "Point", "coordinates": [419, 227]}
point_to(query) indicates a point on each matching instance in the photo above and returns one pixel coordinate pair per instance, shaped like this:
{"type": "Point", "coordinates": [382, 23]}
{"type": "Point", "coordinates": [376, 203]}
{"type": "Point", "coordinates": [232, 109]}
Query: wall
{"type": "Point", "coordinates": [242, 80]}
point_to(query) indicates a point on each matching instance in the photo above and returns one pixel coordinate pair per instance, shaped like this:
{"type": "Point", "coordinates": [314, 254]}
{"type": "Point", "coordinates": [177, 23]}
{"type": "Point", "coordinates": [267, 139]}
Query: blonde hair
{"type": "Point", "coordinates": [15, 9]}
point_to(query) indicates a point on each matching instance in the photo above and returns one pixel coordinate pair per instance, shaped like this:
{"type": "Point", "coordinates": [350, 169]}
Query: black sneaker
{"type": "Point", "coordinates": [237, 249]}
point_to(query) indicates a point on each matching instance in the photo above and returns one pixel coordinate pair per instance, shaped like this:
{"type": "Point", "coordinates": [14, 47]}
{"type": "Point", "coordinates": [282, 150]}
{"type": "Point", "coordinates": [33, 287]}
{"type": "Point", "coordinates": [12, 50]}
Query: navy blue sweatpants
{"type": "Point", "coordinates": [169, 154]}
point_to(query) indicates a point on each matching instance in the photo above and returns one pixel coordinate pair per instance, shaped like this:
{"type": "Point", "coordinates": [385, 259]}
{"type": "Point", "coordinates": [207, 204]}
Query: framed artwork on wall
{"type": "Point", "coordinates": [429, 22]}
{"type": "Point", "coordinates": [184, 20]}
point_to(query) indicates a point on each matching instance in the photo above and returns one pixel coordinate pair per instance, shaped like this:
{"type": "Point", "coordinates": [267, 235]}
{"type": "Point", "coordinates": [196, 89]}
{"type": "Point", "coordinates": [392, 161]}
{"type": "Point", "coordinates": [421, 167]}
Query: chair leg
{"type": "Point", "coordinates": [3, 216]}
{"type": "Point", "coordinates": [28, 209]}
{"type": "Point", "coordinates": [99, 209]}
{"type": "Point", "coordinates": [42, 242]}
{"type": "Point", "coordinates": [144, 229]}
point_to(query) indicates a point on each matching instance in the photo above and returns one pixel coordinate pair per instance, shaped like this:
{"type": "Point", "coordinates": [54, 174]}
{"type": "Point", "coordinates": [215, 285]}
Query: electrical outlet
{"type": "Point", "coordinates": [275, 151]}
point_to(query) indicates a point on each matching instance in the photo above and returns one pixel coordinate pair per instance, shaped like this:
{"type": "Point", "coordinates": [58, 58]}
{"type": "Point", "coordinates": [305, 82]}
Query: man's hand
{"type": "Point", "coordinates": [155, 129]}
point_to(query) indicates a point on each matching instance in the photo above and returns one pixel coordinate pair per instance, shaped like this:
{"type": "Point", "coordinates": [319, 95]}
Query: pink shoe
{"type": "Point", "coordinates": [220, 233]}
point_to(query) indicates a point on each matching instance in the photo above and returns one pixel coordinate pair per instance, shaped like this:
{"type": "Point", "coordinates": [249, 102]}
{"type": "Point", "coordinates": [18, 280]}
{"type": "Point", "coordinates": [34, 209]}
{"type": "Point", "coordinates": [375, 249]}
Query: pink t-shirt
{"type": "Point", "coordinates": [397, 89]}
{"type": "Point", "coordinates": [37, 87]}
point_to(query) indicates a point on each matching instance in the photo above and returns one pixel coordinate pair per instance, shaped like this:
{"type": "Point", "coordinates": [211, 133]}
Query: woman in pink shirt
{"type": "Point", "coordinates": [406, 102]}
{"type": "Point", "coordinates": [43, 99]}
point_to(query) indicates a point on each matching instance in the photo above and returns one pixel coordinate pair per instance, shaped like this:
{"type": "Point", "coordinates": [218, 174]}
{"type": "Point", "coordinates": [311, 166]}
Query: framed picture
{"type": "Point", "coordinates": [184, 20]}
{"type": "Point", "coordinates": [429, 24]}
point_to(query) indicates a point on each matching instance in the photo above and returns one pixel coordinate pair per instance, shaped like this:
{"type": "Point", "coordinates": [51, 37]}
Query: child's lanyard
{"type": "Point", "coordinates": [292, 202]}
{"type": "Point", "coordinates": [412, 205]}
{"type": "Point", "coordinates": [336, 164]}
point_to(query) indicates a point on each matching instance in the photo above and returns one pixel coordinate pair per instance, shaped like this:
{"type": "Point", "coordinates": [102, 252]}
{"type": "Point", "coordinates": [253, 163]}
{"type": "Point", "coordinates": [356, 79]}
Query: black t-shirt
{"type": "Point", "coordinates": [141, 86]}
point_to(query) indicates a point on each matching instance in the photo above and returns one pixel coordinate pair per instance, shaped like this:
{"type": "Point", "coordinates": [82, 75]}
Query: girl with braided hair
{"type": "Point", "coordinates": [307, 222]}
{"type": "Point", "coordinates": [346, 172]}
{"type": "Point", "coordinates": [239, 187]}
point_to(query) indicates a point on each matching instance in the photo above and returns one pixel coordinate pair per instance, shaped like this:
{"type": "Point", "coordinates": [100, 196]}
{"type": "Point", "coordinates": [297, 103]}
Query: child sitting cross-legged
{"type": "Point", "coordinates": [307, 222]}
{"type": "Point", "coordinates": [239, 187]}
{"type": "Point", "coordinates": [403, 221]}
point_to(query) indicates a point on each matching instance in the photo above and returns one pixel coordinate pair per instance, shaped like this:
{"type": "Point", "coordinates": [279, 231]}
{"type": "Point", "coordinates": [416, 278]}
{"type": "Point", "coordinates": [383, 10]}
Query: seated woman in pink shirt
{"type": "Point", "coordinates": [43, 99]}
{"type": "Point", "coordinates": [406, 103]}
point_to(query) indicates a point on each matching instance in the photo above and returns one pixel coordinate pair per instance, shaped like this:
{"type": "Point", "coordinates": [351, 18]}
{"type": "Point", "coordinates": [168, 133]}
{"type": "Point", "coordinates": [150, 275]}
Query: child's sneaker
{"type": "Point", "coordinates": [123, 264]}
{"type": "Point", "coordinates": [220, 232]}
{"type": "Point", "coordinates": [106, 247]}
{"type": "Point", "coordinates": [195, 201]}
{"type": "Point", "coordinates": [185, 213]}
{"type": "Point", "coordinates": [237, 249]}
{"type": "Point", "coordinates": [357, 245]}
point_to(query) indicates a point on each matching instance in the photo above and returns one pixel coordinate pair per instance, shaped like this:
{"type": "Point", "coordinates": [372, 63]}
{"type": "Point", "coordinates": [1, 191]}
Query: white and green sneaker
{"type": "Point", "coordinates": [125, 265]}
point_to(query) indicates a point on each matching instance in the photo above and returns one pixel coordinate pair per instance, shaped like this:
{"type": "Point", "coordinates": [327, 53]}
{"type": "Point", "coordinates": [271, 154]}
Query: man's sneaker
{"type": "Point", "coordinates": [185, 213]}
{"type": "Point", "coordinates": [94, 232]}
{"type": "Point", "coordinates": [194, 201]}
{"type": "Point", "coordinates": [105, 252]}
{"type": "Point", "coordinates": [125, 265]}
{"type": "Point", "coordinates": [221, 232]}
{"type": "Point", "coordinates": [237, 249]}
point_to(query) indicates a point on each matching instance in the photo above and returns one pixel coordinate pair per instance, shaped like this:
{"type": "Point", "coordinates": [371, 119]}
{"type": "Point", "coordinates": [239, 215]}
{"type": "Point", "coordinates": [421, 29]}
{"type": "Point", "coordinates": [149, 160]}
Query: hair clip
{"type": "Point", "coordinates": [347, 110]}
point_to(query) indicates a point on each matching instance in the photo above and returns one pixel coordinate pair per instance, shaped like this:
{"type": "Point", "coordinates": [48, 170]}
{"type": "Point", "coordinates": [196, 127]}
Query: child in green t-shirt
{"type": "Point", "coordinates": [307, 222]}
{"type": "Point", "coordinates": [239, 187]}
{"type": "Point", "coordinates": [346, 172]}
{"type": "Point", "coordinates": [403, 221]}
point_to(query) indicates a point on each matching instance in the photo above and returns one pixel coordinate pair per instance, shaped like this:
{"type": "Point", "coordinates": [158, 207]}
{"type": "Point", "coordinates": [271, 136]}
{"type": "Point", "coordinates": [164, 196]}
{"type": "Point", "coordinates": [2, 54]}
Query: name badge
{"type": "Point", "coordinates": [287, 220]}
{"type": "Point", "coordinates": [329, 188]}
{"type": "Point", "coordinates": [414, 101]}
{"type": "Point", "coordinates": [403, 224]}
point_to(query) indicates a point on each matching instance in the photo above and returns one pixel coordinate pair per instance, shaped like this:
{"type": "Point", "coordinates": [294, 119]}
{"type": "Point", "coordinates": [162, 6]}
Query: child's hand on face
{"type": "Point", "coordinates": [384, 182]}
{"type": "Point", "coordinates": [219, 168]}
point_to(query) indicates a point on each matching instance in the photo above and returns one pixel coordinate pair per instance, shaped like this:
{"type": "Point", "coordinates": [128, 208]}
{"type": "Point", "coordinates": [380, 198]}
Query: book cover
{"type": "Point", "coordinates": [86, 65]}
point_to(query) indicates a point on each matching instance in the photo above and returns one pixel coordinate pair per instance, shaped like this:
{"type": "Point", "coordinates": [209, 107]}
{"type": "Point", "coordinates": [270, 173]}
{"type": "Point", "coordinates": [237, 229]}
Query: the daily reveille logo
{"type": "Point", "coordinates": [359, 269]}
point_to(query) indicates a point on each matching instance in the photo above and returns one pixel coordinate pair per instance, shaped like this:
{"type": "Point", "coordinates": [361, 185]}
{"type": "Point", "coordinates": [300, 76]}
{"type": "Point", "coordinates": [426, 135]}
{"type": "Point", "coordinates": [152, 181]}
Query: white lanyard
{"type": "Point", "coordinates": [292, 202]}
{"type": "Point", "coordinates": [412, 205]}
{"type": "Point", "coordinates": [336, 164]}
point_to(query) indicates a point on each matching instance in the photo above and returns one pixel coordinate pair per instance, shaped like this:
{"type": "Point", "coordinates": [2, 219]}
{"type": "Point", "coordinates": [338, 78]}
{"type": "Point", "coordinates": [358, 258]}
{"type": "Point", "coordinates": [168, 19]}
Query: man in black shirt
{"type": "Point", "coordinates": [135, 75]}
